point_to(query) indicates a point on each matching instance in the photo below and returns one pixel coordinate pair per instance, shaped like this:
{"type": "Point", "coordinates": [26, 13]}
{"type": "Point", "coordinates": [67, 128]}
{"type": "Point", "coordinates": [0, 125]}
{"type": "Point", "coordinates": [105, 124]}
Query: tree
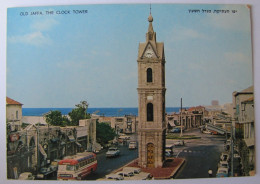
{"type": "Point", "coordinates": [104, 133]}
{"type": "Point", "coordinates": [79, 113]}
{"type": "Point", "coordinates": [55, 118]}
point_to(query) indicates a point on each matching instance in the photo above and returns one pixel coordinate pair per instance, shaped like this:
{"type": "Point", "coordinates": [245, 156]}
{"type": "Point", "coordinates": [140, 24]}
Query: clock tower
{"type": "Point", "coordinates": [151, 100]}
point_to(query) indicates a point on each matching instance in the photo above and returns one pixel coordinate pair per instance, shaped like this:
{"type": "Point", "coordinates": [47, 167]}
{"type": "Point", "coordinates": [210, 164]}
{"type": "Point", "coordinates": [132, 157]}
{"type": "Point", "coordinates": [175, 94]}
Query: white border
{"type": "Point", "coordinates": [256, 57]}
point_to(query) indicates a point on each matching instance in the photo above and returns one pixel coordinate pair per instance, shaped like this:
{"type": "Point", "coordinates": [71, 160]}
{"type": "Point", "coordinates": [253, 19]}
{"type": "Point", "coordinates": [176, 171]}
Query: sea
{"type": "Point", "coordinates": [99, 111]}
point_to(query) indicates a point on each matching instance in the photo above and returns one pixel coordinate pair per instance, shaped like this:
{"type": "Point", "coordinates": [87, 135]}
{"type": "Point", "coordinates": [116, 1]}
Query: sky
{"type": "Point", "coordinates": [59, 60]}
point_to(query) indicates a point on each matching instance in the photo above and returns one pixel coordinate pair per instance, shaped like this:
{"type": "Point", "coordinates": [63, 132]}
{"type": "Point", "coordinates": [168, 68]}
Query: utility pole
{"type": "Point", "coordinates": [232, 151]}
{"type": "Point", "coordinates": [181, 118]}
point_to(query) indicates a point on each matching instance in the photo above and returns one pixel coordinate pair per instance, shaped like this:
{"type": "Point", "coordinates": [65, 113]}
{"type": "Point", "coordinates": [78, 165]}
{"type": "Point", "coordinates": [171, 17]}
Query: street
{"type": "Point", "coordinates": [107, 165]}
{"type": "Point", "coordinates": [200, 155]}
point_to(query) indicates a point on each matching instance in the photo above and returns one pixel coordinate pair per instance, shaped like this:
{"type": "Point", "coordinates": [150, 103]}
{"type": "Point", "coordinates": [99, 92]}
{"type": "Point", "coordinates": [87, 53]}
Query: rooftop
{"type": "Point", "coordinates": [10, 101]}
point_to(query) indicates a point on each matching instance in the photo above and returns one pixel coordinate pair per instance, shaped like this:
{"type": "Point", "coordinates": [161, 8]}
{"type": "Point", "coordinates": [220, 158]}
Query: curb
{"type": "Point", "coordinates": [177, 169]}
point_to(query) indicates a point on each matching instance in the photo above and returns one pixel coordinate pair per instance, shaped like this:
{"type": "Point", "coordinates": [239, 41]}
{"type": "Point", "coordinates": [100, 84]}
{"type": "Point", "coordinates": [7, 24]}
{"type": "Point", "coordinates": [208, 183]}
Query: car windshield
{"type": "Point", "coordinates": [112, 149]}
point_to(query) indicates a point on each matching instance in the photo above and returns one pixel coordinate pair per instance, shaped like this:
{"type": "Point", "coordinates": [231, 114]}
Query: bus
{"type": "Point", "coordinates": [77, 167]}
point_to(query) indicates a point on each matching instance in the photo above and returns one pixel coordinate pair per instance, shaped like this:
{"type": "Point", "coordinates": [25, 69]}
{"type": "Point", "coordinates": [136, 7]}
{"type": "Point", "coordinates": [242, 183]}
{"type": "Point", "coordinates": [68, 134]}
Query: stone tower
{"type": "Point", "coordinates": [151, 97]}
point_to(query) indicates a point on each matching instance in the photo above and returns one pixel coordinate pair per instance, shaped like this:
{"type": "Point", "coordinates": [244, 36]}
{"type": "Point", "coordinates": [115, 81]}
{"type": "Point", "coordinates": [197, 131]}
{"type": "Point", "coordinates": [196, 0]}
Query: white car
{"type": "Point", "coordinates": [223, 164]}
{"type": "Point", "coordinates": [224, 156]}
{"type": "Point", "coordinates": [178, 142]}
{"type": "Point", "coordinates": [26, 176]}
{"type": "Point", "coordinates": [112, 152]}
{"type": "Point", "coordinates": [114, 177]}
{"type": "Point", "coordinates": [125, 173]}
{"type": "Point", "coordinates": [141, 176]}
{"type": "Point", "coordinates": [135, 170]}
{"type": "Point", "coordinates": [206, 132]}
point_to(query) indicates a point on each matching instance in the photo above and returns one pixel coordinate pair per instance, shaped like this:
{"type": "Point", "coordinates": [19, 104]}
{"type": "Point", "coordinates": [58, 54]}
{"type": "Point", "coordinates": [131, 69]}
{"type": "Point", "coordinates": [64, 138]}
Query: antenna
{"type": "Point", "coordinates": [150, 8]}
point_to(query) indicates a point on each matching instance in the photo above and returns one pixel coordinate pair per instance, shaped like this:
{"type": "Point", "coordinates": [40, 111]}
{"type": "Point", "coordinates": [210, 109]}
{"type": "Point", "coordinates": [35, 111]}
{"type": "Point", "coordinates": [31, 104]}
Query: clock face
{"type": "Point", "coordinates": [149, 53]}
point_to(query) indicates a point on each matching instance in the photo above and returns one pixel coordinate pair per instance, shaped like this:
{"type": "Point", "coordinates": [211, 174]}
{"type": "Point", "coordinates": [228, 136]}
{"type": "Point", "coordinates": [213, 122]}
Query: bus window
{"type": "Point", "coordinates": [70, 167]}
{"type": "Point", "coordinates": [77, 167]}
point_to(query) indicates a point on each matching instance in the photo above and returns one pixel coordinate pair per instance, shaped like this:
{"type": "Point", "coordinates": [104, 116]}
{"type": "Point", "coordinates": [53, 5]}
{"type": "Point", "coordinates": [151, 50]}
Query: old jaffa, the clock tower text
{"type": "Point", "coordinates": [151, 99]}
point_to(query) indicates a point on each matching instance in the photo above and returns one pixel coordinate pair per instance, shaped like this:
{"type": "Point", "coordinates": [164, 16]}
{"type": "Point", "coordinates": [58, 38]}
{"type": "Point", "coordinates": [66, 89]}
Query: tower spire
{"type": "Point", "coordinates": [150, 34]}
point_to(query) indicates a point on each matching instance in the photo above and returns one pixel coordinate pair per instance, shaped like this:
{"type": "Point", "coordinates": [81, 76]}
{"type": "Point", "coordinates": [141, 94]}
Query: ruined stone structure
{"type": "Point", "coordinates": [151, 93]}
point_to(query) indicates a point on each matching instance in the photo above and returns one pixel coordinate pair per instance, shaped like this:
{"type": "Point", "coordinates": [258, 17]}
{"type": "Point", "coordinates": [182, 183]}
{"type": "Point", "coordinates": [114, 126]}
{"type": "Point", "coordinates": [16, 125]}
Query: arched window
{"type": "Point", "coordinates": [149, 74]}
{"type": "Point", "coordinates": [149, 112]}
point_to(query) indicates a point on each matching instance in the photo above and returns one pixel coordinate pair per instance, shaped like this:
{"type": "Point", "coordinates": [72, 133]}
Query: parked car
{"type": "Point", "coordinates": [225, 156]}
{"type": "Point", "coordinates": [175, 130]}
{"type": "Point", "coordinates": [112, 152]}
{"type": "Point", "coordinates": [132, 145]}
{"type": "Point", "coordinates": [224, 164]}
{"type": "Point", "coordinates": [26, 176]}
{"type": "Point", "coordinates": [114, 177]}
{"type": "Point", "coordinates": [135, 170]}
{"type": "Point", "coordinates": [178, 142]}
{"type": "Point", "coordinates": [125, 173]}
{"type": "Point", "coordinates": [141, 176]}
{"type": "Point", "coordinates": [45, 172]}
{"type": "Point", "coordinates": [222, 172]}
{"type": "Point", "coordinates": [126, 137]}
{"type": "Point", "coordinates": [206, 132]}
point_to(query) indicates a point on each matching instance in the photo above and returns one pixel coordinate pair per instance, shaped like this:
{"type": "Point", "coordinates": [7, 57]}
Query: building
{"type": "Point", "coordinates": [122, 124]}
{"type": "Point", "coordinates": [36, 145]}
{"type": "Point", "coordinates": [243, 116]}
{"type": "Point", "coordinates": [151, 95]}
{"type": "Point", "coordinates": [13, 114]}
{"type": "Point", "coordinates": [192, 117]}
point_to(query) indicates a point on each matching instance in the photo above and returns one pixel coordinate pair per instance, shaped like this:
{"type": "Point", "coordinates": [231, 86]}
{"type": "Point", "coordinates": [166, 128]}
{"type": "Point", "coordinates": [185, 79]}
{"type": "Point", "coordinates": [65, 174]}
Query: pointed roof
{"type": "Point", "coordinates": [158, 47]}
{"type": "Point", "coordinates": [10, 101]}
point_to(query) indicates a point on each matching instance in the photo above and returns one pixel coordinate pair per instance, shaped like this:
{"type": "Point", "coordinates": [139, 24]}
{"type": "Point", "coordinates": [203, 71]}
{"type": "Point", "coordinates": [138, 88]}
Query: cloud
{"type": "Point", "coordinates": [35, 38]}
{"type": "Point", "coordinates": [184, 33]}
{"type": "Point", "coordinates": [44, 25]}
{"type": "Point", "coordinates": [38, 36]}
{"type": "Point", "coordinates": [237, 57]}
{"type": "Point", "coordinates": [239, 21]}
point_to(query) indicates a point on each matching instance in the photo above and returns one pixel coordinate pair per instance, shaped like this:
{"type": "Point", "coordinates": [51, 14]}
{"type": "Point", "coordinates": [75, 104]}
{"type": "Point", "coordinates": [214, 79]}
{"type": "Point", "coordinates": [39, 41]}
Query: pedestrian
{"type": "Point", "coordinates": [210, 172]}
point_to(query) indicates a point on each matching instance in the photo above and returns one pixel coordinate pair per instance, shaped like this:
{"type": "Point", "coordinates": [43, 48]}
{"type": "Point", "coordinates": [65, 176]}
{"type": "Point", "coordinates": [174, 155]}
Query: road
{"type": "Point", "coordinates": [107, 165]}
{"type": "Point", "coordinates": [200, 155]}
